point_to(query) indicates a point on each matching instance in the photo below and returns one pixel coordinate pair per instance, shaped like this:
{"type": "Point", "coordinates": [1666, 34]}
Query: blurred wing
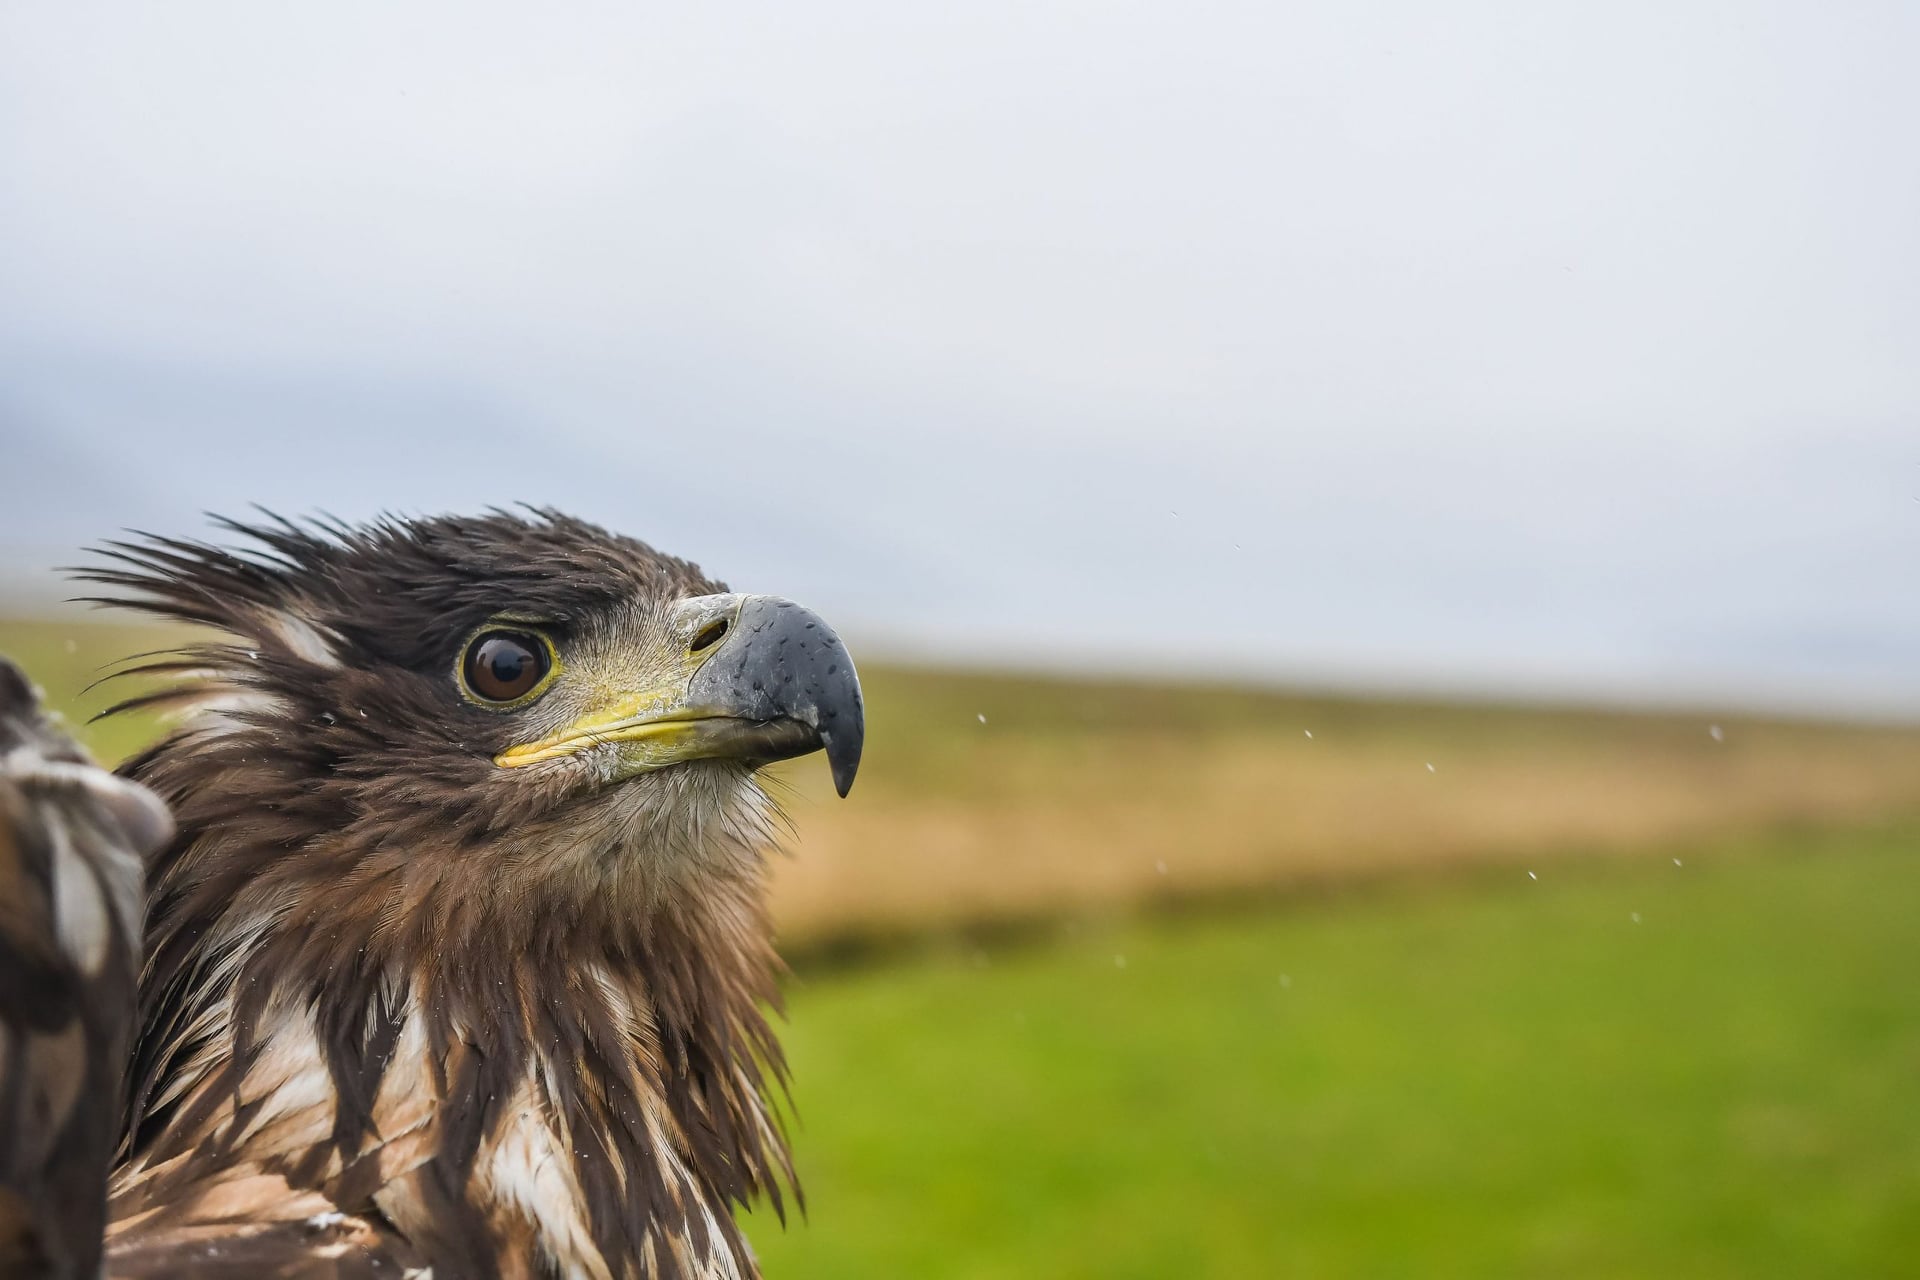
{"type": "Point", "coordinates": [71, 841]}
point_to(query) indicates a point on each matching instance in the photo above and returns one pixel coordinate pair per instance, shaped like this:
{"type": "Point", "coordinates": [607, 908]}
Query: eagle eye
{"type": "Point", "coordinates": [504, 666]}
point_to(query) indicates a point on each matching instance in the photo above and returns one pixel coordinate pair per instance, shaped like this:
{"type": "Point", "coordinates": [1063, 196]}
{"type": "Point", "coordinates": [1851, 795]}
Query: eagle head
{"type": "Point", "coordinates": [469, 810]}
{"type": "Point", "coordinates": [524, 709]}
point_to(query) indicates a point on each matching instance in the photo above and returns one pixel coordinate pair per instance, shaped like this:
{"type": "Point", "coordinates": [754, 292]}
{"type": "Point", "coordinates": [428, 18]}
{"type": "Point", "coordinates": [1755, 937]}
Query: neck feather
{"type": "Point", "coordinates": [536, 1082]}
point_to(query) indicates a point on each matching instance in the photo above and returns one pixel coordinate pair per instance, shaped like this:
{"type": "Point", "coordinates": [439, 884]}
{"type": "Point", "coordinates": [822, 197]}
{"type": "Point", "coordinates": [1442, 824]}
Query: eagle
{"type": "Point", "coordinates": [432, 938]}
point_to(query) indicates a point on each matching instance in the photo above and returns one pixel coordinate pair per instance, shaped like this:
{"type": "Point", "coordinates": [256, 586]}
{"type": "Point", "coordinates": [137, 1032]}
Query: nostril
{"type": "Point", "coordinates": [710, 635]}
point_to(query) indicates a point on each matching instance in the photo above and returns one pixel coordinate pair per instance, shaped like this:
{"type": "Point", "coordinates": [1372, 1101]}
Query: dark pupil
{"type": "Point", "coordinates": [506, 661]}
{"type": "Point", "coordinates": [503, 667]}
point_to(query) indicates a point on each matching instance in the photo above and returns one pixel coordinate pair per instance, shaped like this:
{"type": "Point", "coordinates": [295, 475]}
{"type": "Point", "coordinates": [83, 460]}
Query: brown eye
{"type": "Point", "coordinates": [503, 666]}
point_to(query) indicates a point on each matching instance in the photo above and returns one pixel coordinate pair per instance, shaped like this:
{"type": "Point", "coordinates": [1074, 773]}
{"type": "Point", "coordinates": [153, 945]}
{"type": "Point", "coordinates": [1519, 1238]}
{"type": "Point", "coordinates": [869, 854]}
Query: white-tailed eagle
{"type": "Point", "coordinates": [455, 957]}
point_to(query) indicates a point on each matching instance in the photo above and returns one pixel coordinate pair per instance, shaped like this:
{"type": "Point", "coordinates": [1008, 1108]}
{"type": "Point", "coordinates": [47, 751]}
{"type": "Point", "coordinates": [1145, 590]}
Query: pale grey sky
{"type": "Point", "coordinates": [1563, 347]}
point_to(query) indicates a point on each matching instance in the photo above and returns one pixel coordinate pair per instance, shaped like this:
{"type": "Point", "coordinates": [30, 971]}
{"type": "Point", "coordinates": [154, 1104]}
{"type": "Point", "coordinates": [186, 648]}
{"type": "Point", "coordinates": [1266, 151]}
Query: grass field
{"type": "Point", "coordinates": [995, 798]}
{"type": "Point", "coordinates": [1494, 1077]}
{"type": "Point", "coordinates": [1381, 1019]}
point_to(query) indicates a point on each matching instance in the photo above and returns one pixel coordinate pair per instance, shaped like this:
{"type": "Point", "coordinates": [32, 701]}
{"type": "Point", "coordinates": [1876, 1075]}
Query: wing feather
{"type": "Point", "coordinates": [71, 840]}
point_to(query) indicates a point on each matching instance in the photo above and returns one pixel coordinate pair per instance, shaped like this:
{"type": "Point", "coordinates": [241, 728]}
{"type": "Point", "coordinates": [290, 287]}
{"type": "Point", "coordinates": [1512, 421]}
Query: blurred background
{"type": "Point", "coordinates": [1381, 539]}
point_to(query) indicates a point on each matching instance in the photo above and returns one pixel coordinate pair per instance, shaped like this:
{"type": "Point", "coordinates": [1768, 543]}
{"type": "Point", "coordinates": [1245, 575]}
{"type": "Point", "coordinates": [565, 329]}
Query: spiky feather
{"type": "Point", "coordinates": [397, 1014]}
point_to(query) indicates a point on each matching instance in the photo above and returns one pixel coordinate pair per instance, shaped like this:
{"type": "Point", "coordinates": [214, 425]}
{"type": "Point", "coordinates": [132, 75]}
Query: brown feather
{"type": "Point", "coordinates": [71, 836]}
{"type": "Point", "coordinates": [506, 1026]}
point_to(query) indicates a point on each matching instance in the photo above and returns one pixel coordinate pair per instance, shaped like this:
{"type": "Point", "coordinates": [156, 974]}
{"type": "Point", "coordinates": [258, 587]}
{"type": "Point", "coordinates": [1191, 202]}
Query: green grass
{"type": "Point", "coordinates": [1491, 1077]}
{"type": "Point", "coordinates": [67, 659]}
{"type": "Point", "coordinates": [1455, 1072]}
{"type": "Point", "coordinates": [989, 798]}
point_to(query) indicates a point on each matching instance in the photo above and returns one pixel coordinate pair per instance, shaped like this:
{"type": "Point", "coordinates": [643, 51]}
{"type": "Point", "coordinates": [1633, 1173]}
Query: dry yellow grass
{"type": "Point", "coordinates": [1101, 794]}
{"type": "Point", "coordinates": [1098, 811]}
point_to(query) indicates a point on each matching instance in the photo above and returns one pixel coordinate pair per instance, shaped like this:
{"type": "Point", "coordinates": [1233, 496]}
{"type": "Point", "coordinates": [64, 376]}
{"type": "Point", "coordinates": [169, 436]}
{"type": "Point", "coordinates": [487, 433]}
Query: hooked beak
{"type": "Point", "coordinates": [758, 678]}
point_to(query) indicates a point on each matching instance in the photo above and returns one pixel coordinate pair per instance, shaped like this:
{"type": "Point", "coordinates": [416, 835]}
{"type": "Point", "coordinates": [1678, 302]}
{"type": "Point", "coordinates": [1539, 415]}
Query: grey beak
{"type": "Point", "coordinates": [783, 665]}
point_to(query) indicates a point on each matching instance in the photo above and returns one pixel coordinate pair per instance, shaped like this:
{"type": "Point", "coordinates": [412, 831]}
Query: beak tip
{"type": "Point", "coordinates": [845, 764]}
{"type": "Point", "coordinates": [782, 662]}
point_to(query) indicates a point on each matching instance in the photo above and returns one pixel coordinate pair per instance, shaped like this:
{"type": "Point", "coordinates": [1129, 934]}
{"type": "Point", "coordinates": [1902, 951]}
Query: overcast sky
{"type": "Point", "coordinates": [1525, 346]}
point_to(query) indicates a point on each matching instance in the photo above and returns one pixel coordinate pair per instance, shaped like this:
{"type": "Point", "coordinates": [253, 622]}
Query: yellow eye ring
{"type": "Point", "coordinates": [506, 665]}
